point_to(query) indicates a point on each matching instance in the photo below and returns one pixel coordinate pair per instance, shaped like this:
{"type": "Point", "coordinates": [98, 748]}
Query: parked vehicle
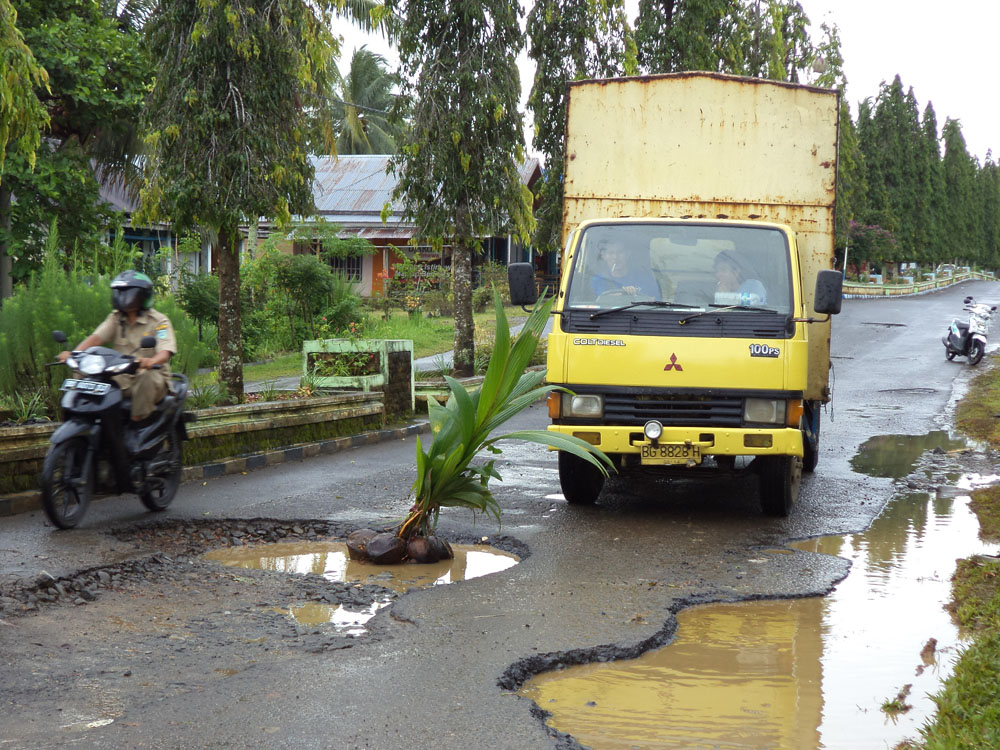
{"type": "Point", "coordinates": [97, 448]}
{"type": "Point", "coordinates": [967, 338]}
{"type": "Point", "coordinates": [702, 352]}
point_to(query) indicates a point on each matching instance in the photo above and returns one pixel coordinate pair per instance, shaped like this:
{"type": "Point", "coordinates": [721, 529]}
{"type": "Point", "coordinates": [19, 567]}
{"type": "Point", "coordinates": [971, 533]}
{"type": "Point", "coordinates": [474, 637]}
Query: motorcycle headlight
{"type": "Point", "coordinates": [92, 364]}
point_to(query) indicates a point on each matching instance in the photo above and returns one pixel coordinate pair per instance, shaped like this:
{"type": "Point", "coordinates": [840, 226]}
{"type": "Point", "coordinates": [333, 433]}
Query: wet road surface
{"type": "Point", "coordinates": [440, 667]}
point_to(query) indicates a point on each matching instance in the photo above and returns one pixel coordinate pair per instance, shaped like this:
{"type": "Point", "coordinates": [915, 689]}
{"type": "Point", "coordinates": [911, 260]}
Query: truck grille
{"type": "Point", "coordinates": [691, 411]}
{"type": "Point", "coordinates": [665, 323]}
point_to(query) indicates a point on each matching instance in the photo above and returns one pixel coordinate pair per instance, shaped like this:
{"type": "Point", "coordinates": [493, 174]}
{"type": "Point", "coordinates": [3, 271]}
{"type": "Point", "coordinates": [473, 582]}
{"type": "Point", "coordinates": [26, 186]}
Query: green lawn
{"type": "Point", "coordinates": [430, 336]}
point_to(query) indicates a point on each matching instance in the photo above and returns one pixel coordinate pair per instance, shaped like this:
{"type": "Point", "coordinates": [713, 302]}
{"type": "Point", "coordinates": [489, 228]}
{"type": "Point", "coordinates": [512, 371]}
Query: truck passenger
{"type": "Point", "coordinates": [732, 285]}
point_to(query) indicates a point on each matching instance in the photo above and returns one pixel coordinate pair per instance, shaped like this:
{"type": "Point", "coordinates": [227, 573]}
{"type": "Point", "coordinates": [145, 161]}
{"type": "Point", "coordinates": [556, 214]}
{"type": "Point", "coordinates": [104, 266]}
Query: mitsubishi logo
{"type": "Point", "coordinates": [672, 364]}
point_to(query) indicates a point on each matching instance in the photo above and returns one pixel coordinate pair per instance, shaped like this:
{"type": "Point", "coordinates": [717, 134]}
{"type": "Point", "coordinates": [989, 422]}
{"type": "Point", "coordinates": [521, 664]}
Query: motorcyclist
{"type": "Point", "coordinates": [133, 318]}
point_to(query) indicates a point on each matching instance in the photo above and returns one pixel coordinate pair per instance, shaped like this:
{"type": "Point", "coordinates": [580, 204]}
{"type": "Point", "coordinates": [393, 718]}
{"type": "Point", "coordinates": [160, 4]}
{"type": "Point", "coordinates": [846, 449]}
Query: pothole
{"type": "Point", "coordinates": [802, 673]}
{"type": "Point", "coordinates": [331, 561]}
{"type": "Point", "coordinates": [895, 456]}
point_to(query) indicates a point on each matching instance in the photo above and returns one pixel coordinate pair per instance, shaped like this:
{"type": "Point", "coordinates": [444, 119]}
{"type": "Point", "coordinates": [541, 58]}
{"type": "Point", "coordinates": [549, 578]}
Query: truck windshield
{"type": "Point", "coordinates": [688, 264]}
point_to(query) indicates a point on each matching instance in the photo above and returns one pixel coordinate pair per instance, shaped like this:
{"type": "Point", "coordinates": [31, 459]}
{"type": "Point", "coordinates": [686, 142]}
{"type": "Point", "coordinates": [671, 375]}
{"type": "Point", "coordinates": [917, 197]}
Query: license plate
{"type": "Point", "coordinates": [86, 386]}
{"type": "Point", "coordinates": [670, 453]}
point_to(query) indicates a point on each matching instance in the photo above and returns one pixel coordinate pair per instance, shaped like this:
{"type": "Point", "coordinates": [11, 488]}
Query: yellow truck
{"type": "Point", "coordinates": [692, 320]}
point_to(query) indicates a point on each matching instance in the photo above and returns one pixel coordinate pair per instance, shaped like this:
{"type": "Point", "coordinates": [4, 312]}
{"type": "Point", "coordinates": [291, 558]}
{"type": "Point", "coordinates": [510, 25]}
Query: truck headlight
{"type": "Point", "coordinates": [764, 411]}
{"type": "Point", "coordinates": [652, 430]}
{"type": "Point", "coordinates": [582, 405]}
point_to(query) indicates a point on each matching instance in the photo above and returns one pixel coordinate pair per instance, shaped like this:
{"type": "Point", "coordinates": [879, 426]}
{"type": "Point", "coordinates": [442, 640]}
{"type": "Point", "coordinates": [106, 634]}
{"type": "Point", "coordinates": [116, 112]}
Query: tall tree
{"type": "Point", "coordinates": [227, 122]}
{"type": "Point", "coordinates": [961, 220]}
{"type": "Point", "coordinates": [781, 49]}
{"type": "Point", "coordinates": [362, 107]}
{"type": "Point", "coordinates": [459, 166]}
{"type": "Point", "coordinates": [22, 118]}
{"type": "Point", "coordinates": [676, 35]}
{"type": "Point", "coordinates": [568, 40]}
{"type": "Point", "coordinates": [989, 191]}
{"type": "Point", "coordinates": [929, 190]}
{"type": "Point", "coordinates": [97, 75]}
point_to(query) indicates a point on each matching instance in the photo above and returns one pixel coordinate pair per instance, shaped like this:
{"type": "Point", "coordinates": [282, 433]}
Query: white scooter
{"type": "Point", "coordinates": [968, 338]}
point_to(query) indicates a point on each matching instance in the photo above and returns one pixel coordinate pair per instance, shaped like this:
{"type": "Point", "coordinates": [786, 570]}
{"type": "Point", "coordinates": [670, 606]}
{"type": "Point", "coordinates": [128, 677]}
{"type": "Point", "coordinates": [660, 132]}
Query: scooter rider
{"type": "Point", "coordinates": [132, 319]}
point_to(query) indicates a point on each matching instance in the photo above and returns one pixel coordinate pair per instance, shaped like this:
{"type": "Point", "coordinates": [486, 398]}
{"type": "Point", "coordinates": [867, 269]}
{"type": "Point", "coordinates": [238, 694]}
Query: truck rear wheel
{"type": "Point", "coordinates": [780, 477]}
{"type": "Point", "coordinates": [580, 480]}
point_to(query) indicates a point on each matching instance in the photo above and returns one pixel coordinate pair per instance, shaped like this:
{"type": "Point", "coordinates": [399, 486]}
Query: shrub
{"type": "Point", "coordinates": [75, 304]}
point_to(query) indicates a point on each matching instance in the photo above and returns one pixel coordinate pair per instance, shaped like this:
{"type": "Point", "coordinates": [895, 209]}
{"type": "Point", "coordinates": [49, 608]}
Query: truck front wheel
{"type": "Point", "coordinates": [580, 480]}
{"type": "Point", "coordinates": [779, 484]}
{"type": "Point", "coordinates": [810, 436]}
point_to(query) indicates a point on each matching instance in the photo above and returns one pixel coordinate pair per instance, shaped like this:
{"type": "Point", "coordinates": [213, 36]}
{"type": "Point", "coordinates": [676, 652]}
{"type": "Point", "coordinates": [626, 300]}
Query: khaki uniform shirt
{"type": "Point", "coordinates": [125, 338]}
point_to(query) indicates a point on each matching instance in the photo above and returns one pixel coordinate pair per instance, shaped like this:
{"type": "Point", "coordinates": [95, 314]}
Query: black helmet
{"type": "Point", "coordinates": [131, 289]}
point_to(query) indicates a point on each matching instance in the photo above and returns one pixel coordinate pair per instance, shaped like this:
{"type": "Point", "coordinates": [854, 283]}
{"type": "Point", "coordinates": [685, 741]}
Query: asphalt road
{"type": "Point", "coordinates": [440, 666]}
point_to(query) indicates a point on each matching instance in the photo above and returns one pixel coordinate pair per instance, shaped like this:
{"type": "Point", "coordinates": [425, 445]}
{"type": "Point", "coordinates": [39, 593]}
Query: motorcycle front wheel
{"type": "Point", "coordinates": [976, 351]}
{"type": "Point", "coordinates": [67, 482]}
{"type": "Point", "coordinates": [163, 474]}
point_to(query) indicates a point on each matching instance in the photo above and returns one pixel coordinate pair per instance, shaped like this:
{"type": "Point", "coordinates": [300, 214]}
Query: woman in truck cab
{"type": "Point", "coordinates": [620, 275]}
{"type": "Point", "coordinates": [732, 287]}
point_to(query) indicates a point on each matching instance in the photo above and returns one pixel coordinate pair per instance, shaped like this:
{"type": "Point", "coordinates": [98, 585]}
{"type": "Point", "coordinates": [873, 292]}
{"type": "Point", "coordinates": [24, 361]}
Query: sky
{"type": "Point", "coordinates": [944, 51]}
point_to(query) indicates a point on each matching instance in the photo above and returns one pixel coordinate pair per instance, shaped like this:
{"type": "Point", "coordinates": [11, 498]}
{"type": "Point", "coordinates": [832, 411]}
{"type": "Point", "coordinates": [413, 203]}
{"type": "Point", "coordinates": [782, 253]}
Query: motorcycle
{"type": "Point", "coordinates": [97, 447]}
{"type": "Point", "coordinates": [968, 338]}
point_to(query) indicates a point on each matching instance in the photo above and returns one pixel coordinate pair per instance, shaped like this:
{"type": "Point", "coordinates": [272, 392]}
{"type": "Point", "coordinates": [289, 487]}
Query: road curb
{"type": "Point", "coordinates": [24, 502]}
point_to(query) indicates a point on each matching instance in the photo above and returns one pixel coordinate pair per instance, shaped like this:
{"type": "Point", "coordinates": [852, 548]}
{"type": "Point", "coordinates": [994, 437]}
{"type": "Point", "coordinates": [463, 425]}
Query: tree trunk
{"type": "Point", "coordinates": [6, 262]}
{"type": "Point", "coordinates": [461, 274]}
{"type": "Point", "coordinates": [230, 324]}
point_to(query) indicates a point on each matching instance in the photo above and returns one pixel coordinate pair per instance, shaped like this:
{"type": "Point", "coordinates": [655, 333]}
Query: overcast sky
{"type": "Point", "coordinates": [946, 52]}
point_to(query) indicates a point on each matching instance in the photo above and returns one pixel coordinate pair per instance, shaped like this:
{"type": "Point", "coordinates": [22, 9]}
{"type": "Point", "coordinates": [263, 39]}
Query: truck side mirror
{"type": "Point", "coordinates": [521, 279]}
{"type": "Point", "coordinates": [829, 292]}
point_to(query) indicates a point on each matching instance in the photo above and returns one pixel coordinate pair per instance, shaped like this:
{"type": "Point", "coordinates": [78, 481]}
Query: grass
{"type": "Point", "coordinates": [430, 336]}
{"type": "Point", "coordinates": [968, 714]}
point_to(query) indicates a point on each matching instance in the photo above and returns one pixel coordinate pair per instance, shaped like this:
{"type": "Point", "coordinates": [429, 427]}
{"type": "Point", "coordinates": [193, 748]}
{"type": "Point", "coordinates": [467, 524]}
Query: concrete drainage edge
{"type": "Point", "coordinates": [24, 502]}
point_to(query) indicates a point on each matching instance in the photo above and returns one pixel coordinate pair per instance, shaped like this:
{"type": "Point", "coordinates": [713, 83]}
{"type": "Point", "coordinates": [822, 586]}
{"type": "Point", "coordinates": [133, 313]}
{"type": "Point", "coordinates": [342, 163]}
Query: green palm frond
{"type": "Point", "coordinates": [464, 427]}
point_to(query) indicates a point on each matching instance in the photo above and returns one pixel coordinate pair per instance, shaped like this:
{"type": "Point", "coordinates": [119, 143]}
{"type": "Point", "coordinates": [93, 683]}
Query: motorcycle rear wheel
{"type": "Point", "coordinates": [161, 484]}
{"type": "Point", "coordinates": [67, 482]}
{"type": "Point", "coordinates": [976, 351]}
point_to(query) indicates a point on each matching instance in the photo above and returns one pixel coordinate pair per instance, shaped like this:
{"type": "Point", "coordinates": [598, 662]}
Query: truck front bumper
{"type": "Point", "coordinates": [779, 441]}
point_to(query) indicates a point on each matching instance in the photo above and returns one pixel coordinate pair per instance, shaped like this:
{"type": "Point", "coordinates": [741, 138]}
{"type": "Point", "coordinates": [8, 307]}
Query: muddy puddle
{"type": "Point", "coordinates": [330, 560]}
{"type": "Point", "coordinates": [801, 673]}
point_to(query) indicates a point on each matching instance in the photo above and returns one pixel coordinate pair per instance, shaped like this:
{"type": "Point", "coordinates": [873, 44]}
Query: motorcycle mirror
{"type": "Point", "coordinates": [147, 342]}
{"type": "Point", "coordinates": [993, 308]}
{"type": "Point", "coordinates": [967, 300]}
{"type": "Point", "coordinates": [59, 336]}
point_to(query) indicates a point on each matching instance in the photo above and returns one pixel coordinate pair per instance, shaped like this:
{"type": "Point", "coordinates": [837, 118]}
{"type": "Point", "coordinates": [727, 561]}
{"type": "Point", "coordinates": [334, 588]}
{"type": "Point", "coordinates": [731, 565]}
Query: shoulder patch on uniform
{"type": "Point", "coordinates": [162, 327]}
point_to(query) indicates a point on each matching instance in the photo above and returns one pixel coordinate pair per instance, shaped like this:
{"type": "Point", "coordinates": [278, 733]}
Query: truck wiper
{"type": "Point", "coordinates": [725, 308]}
{"type": "Point", "coordinates": [648, 303]}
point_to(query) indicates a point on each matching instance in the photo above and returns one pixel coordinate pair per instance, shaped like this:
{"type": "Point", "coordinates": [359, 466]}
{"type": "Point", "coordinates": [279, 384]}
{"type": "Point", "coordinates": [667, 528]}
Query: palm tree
{"type": "Point", "coordinates": [362, 104]}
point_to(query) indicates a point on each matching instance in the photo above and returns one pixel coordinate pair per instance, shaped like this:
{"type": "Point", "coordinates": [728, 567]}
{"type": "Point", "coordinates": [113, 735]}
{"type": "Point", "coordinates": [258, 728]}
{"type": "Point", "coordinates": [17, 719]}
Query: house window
{"type": "Point", "coordinates": [349, 267]}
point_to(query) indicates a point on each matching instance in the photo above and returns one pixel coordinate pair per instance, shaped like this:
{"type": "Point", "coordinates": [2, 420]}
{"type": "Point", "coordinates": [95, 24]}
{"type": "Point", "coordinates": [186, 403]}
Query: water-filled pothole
{"type": "Point", "coordinates": [803, 673]}
{"type": "Point", "coordinates": [894, 456]}
{"type": "Point", "coordinates": [331, 561]}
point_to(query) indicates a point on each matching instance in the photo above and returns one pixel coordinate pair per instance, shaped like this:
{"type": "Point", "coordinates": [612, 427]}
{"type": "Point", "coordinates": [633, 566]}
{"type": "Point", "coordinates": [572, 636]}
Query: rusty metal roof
{"type": "Point", "coordinates": [360, 184]}
{"type": "Point", "coordinates": [352, 185]}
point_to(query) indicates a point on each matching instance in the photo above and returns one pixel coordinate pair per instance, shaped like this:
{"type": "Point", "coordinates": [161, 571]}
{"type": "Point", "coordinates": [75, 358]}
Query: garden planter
{"type": "Point", "coordinates": [384, 365]}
